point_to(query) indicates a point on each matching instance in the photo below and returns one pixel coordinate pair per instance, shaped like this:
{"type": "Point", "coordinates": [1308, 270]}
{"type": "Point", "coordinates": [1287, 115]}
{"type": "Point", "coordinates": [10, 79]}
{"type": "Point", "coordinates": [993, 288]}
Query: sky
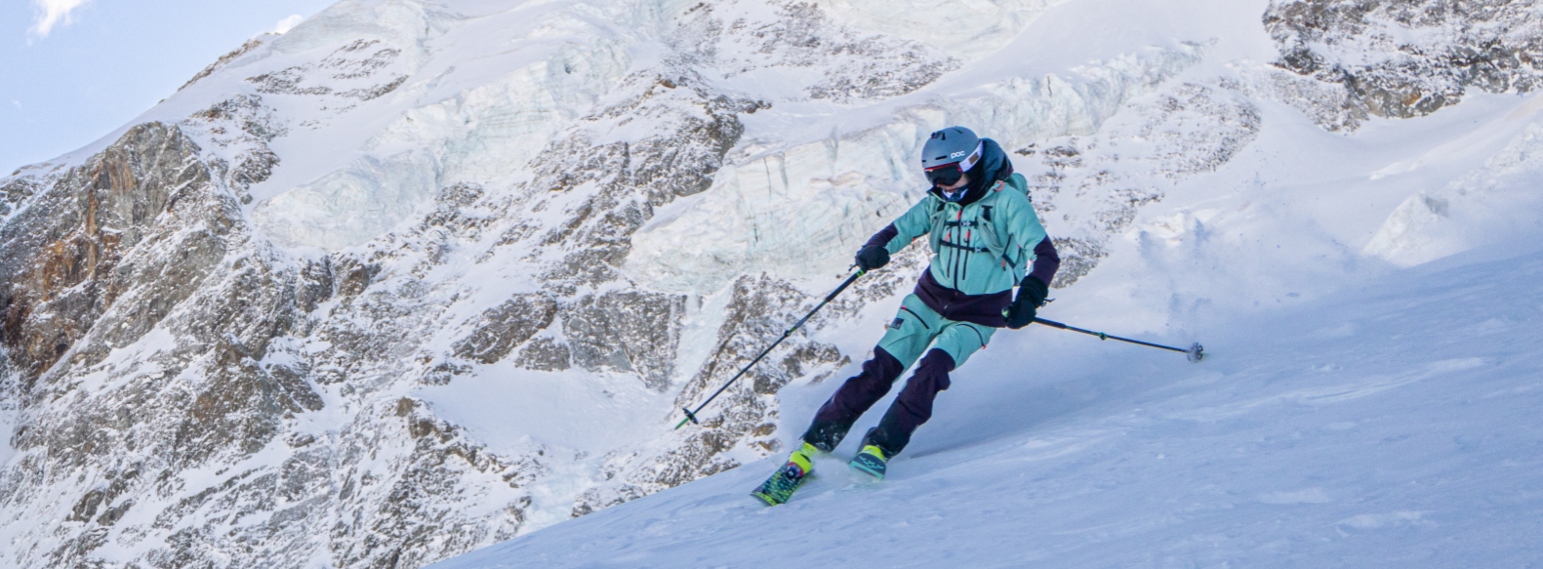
{"type": "Point", "coordinates": [71, 71]}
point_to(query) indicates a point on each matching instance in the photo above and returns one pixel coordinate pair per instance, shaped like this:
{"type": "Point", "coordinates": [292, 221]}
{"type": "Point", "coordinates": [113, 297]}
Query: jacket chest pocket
{"type": "Point", "coordinates": [961, 234]}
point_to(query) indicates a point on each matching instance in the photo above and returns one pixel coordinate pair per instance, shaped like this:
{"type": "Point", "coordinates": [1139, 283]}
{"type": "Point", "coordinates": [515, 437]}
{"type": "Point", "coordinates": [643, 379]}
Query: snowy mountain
{"type": "Point", "coordinates": [421, 276]}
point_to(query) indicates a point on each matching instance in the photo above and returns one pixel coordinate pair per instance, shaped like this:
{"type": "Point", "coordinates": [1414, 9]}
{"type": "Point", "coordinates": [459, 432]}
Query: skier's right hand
{"type": "Point", "coordinates": [872, 257]}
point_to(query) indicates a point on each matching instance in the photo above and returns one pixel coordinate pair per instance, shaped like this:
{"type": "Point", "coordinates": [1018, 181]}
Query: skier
{"type": "Point", "coordinates": [983, 233]}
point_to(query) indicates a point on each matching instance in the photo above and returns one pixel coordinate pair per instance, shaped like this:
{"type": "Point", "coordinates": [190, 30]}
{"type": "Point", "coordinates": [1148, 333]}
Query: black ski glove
{"type": "Point", "coordinates": [1031, 295]}
{"type": "Point", "coordinates": [872, 257]}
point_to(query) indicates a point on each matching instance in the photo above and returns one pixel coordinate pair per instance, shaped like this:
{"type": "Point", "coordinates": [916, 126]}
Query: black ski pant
{"type": "Point", "coordinates": [911, 408]}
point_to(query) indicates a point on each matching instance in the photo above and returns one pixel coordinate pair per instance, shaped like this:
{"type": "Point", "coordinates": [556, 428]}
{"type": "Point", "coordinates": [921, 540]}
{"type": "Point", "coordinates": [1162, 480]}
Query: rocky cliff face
{"type": "Point", "coordinates": [1408, 59]}
{"type": "Point", "coordinates": [243, 333]}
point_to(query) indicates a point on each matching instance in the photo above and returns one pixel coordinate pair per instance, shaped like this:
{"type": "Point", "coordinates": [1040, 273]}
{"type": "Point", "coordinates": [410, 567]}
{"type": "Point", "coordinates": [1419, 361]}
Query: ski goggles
{"type": "Point", "coordinates": [945, 175]}
{"type": "Point", "coordinates": [949, 174]}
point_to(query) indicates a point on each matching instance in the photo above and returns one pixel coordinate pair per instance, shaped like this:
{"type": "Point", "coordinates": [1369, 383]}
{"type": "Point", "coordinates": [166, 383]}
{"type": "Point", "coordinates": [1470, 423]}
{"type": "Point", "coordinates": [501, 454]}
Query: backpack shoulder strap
{"type": "Point", "coordinates": [1018, 183]}
{"type": "Point", "coordinates": [999, 244]}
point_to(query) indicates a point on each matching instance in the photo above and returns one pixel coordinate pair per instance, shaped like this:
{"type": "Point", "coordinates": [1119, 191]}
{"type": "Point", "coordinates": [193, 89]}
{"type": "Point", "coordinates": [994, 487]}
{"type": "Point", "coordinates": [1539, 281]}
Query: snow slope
{"type": "Point", "coordinates": [1393, 424]}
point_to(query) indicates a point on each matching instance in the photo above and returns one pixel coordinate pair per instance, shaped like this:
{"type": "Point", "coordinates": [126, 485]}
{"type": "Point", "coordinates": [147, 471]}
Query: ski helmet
{"type": "Point", "coordinates": [949, 153]}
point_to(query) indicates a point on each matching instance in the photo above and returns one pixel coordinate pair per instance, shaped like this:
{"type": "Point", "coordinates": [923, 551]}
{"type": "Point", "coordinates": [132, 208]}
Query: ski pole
{"type": "Point", "coordinates": [1195, 352]}
{"type": "Point", "coordinates": [691, 415]}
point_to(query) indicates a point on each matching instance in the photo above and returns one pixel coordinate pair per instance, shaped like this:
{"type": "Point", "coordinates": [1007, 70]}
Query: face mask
{"type": "Point", "coordinates": [955, 195]}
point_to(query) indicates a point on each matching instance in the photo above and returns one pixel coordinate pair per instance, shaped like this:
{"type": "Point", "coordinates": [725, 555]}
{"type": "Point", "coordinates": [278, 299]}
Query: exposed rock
{"type": "Point", "coordinates": [361, 59]}
{"type": "Point", "coordinates": [1409, 58]}
{"type": "Point", "coordinates": [544, 354]}
{"type": "Point", "coordinates": [71, 253]}
{"type": "Point", "coordinates": [224, 60]}
{"type": "Point", "coordinates": [148, 250]}
{"type": "Point", "coordinates": [15, 191]}
{"type": "Point", "coordinates": [625, 181]}
{"type": "Point", "coordinates": [240, 129]}
{"type": "Point", "coordinates": [1329, 105]}
{"type": "Point", "coordinates": [501, 329]}
{"type": "Point", "coordinates": [626, 331]}
{"type": "Point", "coordinates": [800, 35]}
{"type": "Point", "coordinates": [409, 522]}
{"type": "Point", "coordinates": [354, 275]}
{"type": "Point", "coordinates": [761, 309]}
{"type": "Point", "coordinates": [355, 72]}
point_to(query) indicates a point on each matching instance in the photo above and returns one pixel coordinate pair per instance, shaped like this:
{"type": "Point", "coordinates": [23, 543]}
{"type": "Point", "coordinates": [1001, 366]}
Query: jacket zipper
{"type": "Point", "coordinates": [957, 218]}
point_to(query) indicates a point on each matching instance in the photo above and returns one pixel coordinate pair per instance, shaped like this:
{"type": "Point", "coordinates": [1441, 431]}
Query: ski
{"type": "Point", "coordinates": [779, 488]}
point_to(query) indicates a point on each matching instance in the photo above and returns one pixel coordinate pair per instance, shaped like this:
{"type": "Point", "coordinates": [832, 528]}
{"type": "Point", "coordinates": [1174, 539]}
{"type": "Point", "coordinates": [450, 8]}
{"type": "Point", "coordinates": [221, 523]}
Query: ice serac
{"type": "Point", "coordinates": [802, 209]}
{"type": "Point", "coordinates": [967, 30]}
{"type": "Point", "coordinates": [470, 136]}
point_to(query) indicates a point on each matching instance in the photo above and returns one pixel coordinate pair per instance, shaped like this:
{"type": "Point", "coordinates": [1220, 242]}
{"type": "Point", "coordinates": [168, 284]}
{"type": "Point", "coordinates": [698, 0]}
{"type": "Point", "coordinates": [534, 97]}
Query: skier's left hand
{"type": "Point", "coordinates": [1031, 295]}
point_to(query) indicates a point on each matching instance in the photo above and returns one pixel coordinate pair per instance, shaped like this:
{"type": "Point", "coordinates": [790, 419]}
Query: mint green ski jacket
{"type": "Point", "coordinates": [982, 248]}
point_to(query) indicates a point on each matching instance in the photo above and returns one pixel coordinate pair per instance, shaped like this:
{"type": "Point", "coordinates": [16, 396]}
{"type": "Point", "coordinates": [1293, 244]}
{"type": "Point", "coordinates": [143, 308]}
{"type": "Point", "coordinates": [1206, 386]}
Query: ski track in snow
{"type": "Point", "coordinates": [1390, 426]}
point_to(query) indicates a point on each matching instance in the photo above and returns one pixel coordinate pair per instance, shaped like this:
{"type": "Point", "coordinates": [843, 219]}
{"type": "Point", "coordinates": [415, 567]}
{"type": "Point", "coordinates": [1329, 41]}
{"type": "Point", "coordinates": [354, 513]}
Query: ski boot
{"type": "Point", "coordinates": [780, 487]}
{"type": "Point", "coordinates": [870, 461]}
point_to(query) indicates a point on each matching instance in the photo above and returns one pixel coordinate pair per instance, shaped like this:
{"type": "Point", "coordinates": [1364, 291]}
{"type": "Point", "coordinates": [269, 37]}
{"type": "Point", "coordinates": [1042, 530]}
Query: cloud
{"type": "Point", "coordinates": [51, 13]}
{"type": "Point", "coordinates": [287, 24]}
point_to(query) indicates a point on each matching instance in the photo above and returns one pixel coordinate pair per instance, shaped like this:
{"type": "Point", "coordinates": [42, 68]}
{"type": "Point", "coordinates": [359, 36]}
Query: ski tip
{"type": "Point", "coordinates": [1196, 352]}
